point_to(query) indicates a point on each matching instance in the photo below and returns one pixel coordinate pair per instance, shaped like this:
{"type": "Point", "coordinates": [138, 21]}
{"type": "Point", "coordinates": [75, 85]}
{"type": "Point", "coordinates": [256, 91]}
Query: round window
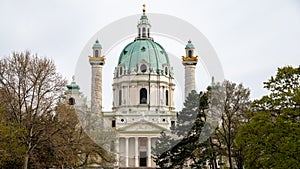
{"type": "Point", "coordinates": [143, 68]}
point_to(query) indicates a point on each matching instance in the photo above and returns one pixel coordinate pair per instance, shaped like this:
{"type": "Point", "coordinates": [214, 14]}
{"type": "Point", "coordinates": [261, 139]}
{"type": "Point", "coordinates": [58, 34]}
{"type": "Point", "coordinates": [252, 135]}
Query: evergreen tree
{"type": "Point", "coordinates": [161, 151]}
{"type": "Point", "coordinates": [182, 146]}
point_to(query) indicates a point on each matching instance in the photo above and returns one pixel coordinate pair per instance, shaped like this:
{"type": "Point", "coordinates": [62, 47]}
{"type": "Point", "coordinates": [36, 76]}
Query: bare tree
{"type": "Point", "coordinates": [67, 144]}
{"type": "Point", "coordinates": [236, 107]}
{"type": "Point", "coordinates": [30, 88]}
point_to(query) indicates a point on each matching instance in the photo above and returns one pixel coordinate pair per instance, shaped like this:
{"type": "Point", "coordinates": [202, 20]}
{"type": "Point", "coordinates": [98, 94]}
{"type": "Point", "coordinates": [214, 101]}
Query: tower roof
{"type": "Point", "coordinates": [97, 44]}
{"type": "Point", "coordinates": [189, 45]}
{"type": "Point", "coordinates": [73, 87]}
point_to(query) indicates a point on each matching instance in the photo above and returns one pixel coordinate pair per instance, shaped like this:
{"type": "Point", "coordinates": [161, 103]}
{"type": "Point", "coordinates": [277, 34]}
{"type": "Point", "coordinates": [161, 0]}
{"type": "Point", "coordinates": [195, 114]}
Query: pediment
{"type": "Point", "coordinates": [142, 126]}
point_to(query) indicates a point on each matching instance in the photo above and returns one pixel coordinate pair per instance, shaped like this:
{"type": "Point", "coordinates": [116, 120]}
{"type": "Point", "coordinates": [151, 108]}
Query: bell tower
{"type": "Point", "coordinates": [96, 61]}
{"type": "Point", "coordinates": [189, 62]}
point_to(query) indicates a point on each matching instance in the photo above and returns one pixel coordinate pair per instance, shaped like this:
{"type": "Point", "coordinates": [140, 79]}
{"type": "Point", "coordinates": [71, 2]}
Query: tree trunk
{"type": "Point", "coordinates": [214, 160]}
{"type": "Point", "coordinates": [215, 163]}
{"type": "Point", "coordinates": [229, 145]}
{"type": "Point", "coordinates": [240, 166]}
{"type": "Point", "coordinates": [229, 157]}
{"type": "Point", "coordinates": [239, 161]}
{"type": "Point", "coordinates": [26, 159]}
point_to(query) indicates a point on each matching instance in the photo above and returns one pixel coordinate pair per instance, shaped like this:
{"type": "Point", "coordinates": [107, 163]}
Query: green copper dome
{"type": "Point", "coordinates": [189, 45]}
{"type": "Point", "coordinates": [73, 87]}
{"type": "Point", "coordinates": [144, 50]}
{"type": "Point", "coordinates": [97, 45]}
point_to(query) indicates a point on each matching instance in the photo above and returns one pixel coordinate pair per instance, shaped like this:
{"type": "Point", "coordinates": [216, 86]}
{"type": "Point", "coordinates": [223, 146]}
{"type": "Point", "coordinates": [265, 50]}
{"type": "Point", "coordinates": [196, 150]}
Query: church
{"type": "Point", "coordinates": [143, 94]}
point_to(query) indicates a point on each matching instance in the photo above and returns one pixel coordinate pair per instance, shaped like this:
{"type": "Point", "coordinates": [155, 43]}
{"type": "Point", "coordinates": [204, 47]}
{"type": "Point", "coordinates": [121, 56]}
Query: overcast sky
{"type": "Point", "coordinates": [251, 37]}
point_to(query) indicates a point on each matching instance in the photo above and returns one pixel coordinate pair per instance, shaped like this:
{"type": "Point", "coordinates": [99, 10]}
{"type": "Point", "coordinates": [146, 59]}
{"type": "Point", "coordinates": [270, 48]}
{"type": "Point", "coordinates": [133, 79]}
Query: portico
{"type": "Point", "coordinates": [135, 151]}
{"type": "Point", "coordinates": [134, 143]}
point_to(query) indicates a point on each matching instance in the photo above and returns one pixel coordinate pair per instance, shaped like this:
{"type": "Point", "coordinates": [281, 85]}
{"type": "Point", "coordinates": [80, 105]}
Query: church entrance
{"type": "Point", "coordinates": [143, 159]}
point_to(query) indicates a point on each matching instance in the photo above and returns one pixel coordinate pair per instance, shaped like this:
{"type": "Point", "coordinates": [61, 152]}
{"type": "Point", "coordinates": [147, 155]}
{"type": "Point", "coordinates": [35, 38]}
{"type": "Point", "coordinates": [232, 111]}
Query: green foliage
{"type": "Point", "coordinates": [162, 155]}
{"type": "Point", "coordinates": [11, 148]}
{"type": "Point", "coordinates": [182, 147]}
{"type": "Point", "coordinates": [272, 137]}
{"type": "Point", "coordinates": [283, 87]}
{"type": "Point", "coordinates": [270, 142]}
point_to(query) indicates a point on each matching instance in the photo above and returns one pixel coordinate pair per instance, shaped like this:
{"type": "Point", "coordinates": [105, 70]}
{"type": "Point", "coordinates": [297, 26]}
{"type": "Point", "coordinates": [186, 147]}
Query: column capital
{"type": "Point", "coordinates": [97, 60]}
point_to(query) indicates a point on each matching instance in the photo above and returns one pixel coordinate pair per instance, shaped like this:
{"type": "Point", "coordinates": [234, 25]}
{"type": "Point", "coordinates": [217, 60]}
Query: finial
{"type": "Point", "coordinates": [189, 41]}
{"type": "Point", "coordinates": [73, 78]}
{"type": "Point", "coordinates": [144, 8]}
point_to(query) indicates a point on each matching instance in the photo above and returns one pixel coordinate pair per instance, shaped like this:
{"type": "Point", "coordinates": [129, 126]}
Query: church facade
{"type": "Point", "coordinates": [143, 95]}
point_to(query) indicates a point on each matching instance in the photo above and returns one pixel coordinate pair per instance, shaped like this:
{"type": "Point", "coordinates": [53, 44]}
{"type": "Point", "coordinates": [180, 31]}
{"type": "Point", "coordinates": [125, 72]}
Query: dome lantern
{"type": "Point", "coordinates": [73, 87]}
{"type": "Point", "coordinates": [143, 51]}
{"type": "Point", "coordinates": [144, 26]}
{"type": "Point", "coordinates": [189, 49]}
{"type": "Point", "coordinates": [97, 49]}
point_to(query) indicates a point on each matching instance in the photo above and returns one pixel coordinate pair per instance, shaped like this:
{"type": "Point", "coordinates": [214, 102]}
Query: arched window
{"type": "Point", "coordinates": [121, 71]}
{"type": "Point", "coordinates": [143, 96]}
{"type": "Point", "coordinates": [166, 71]}
{"type": "Point", "coordinates": [96, 53]}
{"type": "Point", "coordinates": [148, 30]}
{"type": "Point", "coordinates": [144, 32]}
{"type": "Point", "coordinates": [167, 97]}
{"type": "Point", "coordinates": [139, 32]}
{"type": "Point", "coordinates": [143, 68]}
{"type": "Point", "coordinates": [190, 53]}
{"type": "Point", "coordinates": [172, 123]}
{"type": "Point", "coordinates": [71, 101]}
{"type": "Point", "coordinates": [113, 123]}
{"type": "Point", "coordinates": [120, 97]}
